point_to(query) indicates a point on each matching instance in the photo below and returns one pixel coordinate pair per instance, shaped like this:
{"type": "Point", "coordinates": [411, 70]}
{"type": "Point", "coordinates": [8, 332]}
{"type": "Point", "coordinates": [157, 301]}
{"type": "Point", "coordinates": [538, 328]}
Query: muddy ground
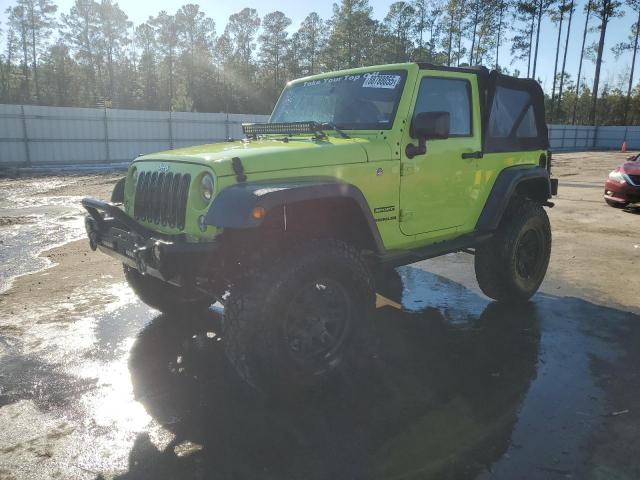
{"type": "Point", "coordinates": [93, 384]}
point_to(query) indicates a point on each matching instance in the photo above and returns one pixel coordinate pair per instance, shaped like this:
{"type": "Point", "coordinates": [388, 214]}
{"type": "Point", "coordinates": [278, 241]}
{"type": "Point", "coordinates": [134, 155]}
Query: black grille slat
{"type": "Point", "coordinates": [155, 198]}
{"type": "Point", "coordinates": [182, 201]}
{"type": "Point", "coordinates": [635, 179]}
{"type": "Point", "coordinates": [175, 184]}
{"type": "Point", "coordinates": [166, 184]}
{"type": "Point", "coordinates": [137, 206]}
{"type": "Point", "coordinates": [162, 198]}
{"type": "Point", "coordinates": [144, 191]}
{"type": "Point", "coordinates": [146, 211]}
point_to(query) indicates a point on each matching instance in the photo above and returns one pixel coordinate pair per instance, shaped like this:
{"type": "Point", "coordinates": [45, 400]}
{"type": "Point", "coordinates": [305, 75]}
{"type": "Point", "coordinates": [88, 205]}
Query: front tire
{"type": "Point", "coordinates": [163, 296]}
{"type": "Point", "coordinates": [511, 266]}
{"type": "Point", "coordinates": [293, 322]}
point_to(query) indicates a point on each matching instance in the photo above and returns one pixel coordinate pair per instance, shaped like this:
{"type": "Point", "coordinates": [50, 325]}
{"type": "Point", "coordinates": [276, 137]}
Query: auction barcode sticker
{"type": "Point", "coordinates": [375, 80]}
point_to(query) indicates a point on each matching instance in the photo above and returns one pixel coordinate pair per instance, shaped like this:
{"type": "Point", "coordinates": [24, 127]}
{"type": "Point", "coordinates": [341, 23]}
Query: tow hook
{"type": "Point", "coordinates": [141, 264]}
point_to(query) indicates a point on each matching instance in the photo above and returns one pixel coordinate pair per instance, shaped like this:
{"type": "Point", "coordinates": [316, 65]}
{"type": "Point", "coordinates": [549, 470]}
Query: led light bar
{"type": "Point", "coordinates": [290, 128]}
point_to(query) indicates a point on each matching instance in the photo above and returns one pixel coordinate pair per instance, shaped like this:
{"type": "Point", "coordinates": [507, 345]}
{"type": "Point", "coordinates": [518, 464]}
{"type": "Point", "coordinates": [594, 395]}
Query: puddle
{"type": "Point", "coordinates": [32, 222]}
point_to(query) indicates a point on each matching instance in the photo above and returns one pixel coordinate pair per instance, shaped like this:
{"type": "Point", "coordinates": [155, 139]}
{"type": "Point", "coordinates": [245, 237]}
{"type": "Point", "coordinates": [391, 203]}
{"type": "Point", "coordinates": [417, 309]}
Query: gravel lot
{"type": "Point", "coordinates": [94, 384]}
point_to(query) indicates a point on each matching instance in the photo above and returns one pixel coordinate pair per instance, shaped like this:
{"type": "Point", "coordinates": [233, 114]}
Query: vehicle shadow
{"type": "Point", "coordinates": [434, 398]}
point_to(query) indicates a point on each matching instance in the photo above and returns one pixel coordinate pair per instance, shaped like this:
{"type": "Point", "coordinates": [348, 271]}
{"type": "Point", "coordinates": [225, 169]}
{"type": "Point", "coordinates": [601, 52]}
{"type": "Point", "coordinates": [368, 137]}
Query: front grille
{"type": "Point", "coordinates": [635, 179]}
{"type": "Point", "coordinates": [161, 198]}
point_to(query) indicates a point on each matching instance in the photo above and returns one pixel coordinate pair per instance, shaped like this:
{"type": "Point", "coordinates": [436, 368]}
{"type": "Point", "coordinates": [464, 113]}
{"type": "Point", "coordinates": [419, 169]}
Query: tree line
{"type": "Point", "coordinates": [94, 55]}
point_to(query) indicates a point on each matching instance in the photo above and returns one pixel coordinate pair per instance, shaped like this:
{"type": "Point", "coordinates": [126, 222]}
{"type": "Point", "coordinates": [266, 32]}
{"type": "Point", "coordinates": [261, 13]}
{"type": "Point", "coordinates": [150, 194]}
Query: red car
{"type": "Point", "coordinates": [623, 184]}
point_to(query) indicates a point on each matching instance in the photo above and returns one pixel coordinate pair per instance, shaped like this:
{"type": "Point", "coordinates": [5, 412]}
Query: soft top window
{"type": "Point", "coordinates": [516, 115]}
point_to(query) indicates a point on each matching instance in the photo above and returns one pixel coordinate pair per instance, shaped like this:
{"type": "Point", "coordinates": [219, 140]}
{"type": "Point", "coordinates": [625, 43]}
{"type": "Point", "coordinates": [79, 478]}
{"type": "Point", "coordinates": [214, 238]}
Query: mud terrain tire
{"type": "Point", "coordinates": [511, 266]}
{"type": "Point", "coordinates": [293, 322]}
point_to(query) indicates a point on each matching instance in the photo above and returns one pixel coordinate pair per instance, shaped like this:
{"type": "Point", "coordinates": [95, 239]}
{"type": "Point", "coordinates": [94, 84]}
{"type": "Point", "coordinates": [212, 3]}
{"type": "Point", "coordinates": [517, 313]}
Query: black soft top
{"type": "Point", "coordinates": [513, 117]}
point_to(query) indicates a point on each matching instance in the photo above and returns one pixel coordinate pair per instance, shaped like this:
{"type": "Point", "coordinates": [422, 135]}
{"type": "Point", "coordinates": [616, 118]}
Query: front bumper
{"type": "Point", "coordinates": [167, 257]}
{"type": "Point", "coordinates": [621, 192]}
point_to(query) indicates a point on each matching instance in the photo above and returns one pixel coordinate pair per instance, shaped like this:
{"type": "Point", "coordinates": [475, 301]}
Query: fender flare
{"type": "Point", "coordinates": [505, 187]}
{"type": "Point", "coordinates": [232, 208]}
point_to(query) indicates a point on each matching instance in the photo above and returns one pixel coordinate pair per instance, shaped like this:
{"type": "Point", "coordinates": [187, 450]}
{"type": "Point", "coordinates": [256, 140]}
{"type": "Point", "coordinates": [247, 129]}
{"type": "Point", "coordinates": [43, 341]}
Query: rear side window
{"type": "Point", "coordinates": [447, 95]}
{"type": "Point", "coordinates": [512, 114]}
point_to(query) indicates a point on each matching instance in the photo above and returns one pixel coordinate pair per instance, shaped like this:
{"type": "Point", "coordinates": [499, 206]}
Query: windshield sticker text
{"type": "Point", "coordinates": [324, 81]}
{"type": "Point", "coordinates": [375, 80]}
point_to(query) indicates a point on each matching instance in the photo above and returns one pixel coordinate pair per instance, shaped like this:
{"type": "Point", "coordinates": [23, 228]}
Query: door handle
{"type": "Point", "coordinates": [472, 155]}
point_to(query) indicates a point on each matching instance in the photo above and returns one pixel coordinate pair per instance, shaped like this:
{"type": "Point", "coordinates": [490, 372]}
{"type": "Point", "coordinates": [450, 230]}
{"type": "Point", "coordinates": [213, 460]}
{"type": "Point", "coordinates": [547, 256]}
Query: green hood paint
{"type": "Point", "coordinates": [270, 154]}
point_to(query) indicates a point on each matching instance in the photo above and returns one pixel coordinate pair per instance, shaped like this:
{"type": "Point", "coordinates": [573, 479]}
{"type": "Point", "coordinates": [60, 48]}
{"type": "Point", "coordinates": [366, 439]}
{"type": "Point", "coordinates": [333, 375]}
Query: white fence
{"type": "Point", "coordinates": [571, 138]}
{"type": "Point", "coordinates": [48, 136]}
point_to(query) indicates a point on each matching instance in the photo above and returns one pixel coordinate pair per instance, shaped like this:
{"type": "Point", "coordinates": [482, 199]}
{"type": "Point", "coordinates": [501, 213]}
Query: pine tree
{"type": "Point", "coordinates": [274, 40]}
{"type": "Point", "coordinates": [604, 10]}
{"type": "Point", "coordinates": [312, 41]}
{"type": "Point", "coordinates": [145, 40]}
{"type": "Point", "coordinates": [522, 42]}
{"type": "Point", "coordinates": [399, 23]}
{"type": "Point", "coordinates": [588, 9]}
{"type": "Point", "coordinates": [351, 33]}
{"type": "Point", "coordinates": [166, 33]}
{"type": "Point", "coordinates": [503, 7]}
{"type": "Point", "coordinates": [113, 27]}
{"type": "Point", "coordinates": [196, 37]}
{"type": "Point", "coordinates": [564, 58]}
{"type": "Point", "coordinates": [630, 45]}
{"type": "Point", "coordinates": [39, 21]}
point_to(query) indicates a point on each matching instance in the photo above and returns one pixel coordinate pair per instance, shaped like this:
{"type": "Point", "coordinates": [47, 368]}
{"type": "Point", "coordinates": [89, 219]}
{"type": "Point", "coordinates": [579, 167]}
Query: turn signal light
{"type": "Point", "coordinates": [258, 213]}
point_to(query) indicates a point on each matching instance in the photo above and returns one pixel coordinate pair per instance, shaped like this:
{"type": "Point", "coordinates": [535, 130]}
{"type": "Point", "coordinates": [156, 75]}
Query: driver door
{"type": "Point", "coordinates": [437, 188]}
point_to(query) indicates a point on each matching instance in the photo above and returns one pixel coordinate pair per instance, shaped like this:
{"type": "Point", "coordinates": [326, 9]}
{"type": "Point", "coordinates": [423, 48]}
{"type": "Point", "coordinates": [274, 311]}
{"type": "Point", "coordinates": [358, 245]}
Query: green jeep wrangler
{"type": "Point", "coordinates": [295, 227]}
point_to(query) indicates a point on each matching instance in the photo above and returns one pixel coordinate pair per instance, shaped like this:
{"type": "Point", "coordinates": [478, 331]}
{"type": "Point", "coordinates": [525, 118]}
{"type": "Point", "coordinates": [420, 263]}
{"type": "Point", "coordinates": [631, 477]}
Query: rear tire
{"type": "Point", "coordinates": [163, 296]}
{"type": "Point", "coordinates": [295, 321]}
{"type": "Point", "coordinates": [511, 266]}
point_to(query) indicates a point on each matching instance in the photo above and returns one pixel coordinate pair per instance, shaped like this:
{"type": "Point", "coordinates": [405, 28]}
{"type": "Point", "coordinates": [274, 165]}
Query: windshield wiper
{"type": "Point", "coordinates": [334, 127]}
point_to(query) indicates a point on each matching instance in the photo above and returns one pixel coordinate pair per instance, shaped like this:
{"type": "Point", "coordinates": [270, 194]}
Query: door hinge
{"type": "Point", "coordinates": [405, 215]}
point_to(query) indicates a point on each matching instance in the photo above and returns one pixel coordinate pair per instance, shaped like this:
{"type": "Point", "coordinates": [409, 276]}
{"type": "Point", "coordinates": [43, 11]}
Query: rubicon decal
{"type": "Point", "coordinates": [384, 209]}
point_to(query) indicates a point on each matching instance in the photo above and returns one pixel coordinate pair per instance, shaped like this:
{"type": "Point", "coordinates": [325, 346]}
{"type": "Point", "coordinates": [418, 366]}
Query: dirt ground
{"type": "Point", "coordinates": [596, 248]}
{"type": "Point", "coordinates": [78, 275]}
{"type": "Point", "coordinates": [75, 389]}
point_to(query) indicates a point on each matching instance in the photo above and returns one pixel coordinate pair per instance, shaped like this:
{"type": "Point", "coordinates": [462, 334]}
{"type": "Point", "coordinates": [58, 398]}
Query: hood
{"type": "Point", "coordinates": [631, 168]}
{"type": "Point", "coordinates": [268, 154]}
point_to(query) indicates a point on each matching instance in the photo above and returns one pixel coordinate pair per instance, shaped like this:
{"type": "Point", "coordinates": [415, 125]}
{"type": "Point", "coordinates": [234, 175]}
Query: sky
{"type": "Point", "coordinates": [219, 10]}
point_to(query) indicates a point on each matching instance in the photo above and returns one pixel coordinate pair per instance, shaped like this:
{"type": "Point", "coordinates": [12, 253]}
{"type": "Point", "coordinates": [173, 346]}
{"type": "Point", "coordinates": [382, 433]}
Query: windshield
{"type": "Point", "coordinates": [365, 101]}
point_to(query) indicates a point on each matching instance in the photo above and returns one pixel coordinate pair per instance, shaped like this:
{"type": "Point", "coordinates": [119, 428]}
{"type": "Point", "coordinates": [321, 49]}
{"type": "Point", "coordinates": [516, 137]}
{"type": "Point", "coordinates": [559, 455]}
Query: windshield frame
{"type": "Point", "coordinates": [402, 72]}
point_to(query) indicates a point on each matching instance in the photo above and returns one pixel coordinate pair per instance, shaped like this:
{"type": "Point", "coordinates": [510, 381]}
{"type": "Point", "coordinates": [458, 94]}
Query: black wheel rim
{"type": "Point", "coordinates": [529, 254]}
{"type": "Point", "coordinates": [317, 322]}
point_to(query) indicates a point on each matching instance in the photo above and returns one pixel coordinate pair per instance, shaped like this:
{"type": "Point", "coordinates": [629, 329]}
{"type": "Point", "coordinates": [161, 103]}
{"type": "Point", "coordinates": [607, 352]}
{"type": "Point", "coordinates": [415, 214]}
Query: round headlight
{"type": "Point", "coordinates": [206, 187]}
{"type": "Point", "coordinates": [134, 176]}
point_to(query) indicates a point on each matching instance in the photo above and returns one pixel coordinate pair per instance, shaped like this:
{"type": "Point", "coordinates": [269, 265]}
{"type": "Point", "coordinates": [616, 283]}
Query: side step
{"type": "Point", "coordinates": [463, 243]}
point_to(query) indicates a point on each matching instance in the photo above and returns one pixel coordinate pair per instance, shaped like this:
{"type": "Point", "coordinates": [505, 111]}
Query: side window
{"type": "Point", "coordinates": [447, 95]}
{"type": "Point", "coordinates": [511, 110]}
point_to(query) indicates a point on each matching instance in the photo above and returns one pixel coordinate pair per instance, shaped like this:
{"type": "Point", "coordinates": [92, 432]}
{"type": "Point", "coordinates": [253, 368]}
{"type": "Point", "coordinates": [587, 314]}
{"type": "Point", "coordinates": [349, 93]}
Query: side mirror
{"type": "Point", "coordinates": [427, 126]}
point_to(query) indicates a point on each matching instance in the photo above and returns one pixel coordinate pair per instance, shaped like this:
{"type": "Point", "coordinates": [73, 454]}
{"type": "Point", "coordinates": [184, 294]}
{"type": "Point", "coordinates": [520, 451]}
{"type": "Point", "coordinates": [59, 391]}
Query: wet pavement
{"type": "Point", "coordinates": [33, 219]}
{"type": "Point", "coordinates": [453, 387]}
